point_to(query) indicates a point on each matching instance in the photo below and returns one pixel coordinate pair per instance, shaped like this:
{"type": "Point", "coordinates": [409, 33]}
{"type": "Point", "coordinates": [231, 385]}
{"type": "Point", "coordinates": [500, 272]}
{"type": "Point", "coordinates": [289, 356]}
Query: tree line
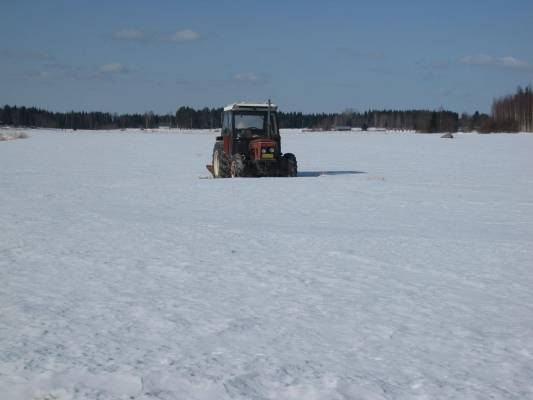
{"type": "Point", "coordinates": [416, 120]}
{"type": "Point", "coordinates": [209, 118]}
{"type": "Point", "coordinates": [509, 114]}
{"type": "Point", "coordinates": [513, 113]}
{"type": "Point", "coordinates": [36, 117]}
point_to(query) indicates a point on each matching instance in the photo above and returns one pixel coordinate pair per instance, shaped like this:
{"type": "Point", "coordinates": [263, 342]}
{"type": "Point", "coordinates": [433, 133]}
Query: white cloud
{"type": "Point", "coordinates": [504, 62]}
{"type": "Point", "coordinates": [113, 68]}
{"type": "Point", "coordinates": [249, 77]}
{"type": "Point", "coordinates": [246, 76]}
{"type": "Point", "coordinates": [129, 34]}
{"type": "Point", "coordinates": [513, 62]}
{"type": "Point", "coordinates": [185, 35]}
{"type": "Point", "coordinates": [44, 75]}
{"type": "Point", "coordinates": [27, 55]}
{"type": "Point", "coordinates": [479, 59]}
{"type": "Point", "coordinates": [62, 71]}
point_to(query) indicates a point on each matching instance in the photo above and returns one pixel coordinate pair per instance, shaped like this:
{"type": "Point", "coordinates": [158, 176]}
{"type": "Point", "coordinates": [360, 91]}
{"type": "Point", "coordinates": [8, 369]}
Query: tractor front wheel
{"type": "Point", "coordinates": [221, 167]}
{"type": "Point", "coordinates": [237, 166]}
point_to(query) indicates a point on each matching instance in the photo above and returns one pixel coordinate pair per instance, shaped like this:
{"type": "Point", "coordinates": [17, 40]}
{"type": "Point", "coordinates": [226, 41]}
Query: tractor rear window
{"type": "Point", "coordinates": [249, 121]}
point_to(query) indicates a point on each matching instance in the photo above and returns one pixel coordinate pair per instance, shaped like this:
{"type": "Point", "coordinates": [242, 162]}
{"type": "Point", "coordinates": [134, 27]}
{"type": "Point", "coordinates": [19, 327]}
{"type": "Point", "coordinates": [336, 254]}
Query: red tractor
{"type": "Point", "coordinates": [250, 144]}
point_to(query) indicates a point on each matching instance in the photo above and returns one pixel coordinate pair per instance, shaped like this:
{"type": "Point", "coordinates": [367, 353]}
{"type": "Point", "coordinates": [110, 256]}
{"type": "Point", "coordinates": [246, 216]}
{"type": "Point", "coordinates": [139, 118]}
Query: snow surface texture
{"type": "Point", "coordinates": [397, 266]}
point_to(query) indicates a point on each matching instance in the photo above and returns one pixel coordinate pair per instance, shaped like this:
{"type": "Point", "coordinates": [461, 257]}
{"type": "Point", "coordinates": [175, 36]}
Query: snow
{"type": "Point", "coordinates": [12, 134]}
{"type": "Point", "coordinates": [397, 266]}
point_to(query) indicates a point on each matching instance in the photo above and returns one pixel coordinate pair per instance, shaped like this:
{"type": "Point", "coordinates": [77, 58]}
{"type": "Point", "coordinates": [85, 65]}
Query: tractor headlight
{"type": "Point", "coordinates": [263, 150]}
{"type": "Point", "coordinates": [271, 150]}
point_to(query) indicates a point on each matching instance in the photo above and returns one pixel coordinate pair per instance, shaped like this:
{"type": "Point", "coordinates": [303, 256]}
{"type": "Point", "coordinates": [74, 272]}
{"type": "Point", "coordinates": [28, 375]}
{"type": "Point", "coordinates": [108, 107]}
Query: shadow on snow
{"type": "Point", "coordinates": [315, 174]}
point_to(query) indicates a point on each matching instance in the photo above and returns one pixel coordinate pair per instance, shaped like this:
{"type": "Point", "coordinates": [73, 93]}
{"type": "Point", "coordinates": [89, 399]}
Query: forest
{"type": "Point", "coordinates": [511, 113]}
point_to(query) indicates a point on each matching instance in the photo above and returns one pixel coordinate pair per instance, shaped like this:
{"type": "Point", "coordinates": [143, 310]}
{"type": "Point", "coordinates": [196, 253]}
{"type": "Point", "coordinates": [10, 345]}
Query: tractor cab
{"type": "Point", "coordinates": [245, 125]}
{"type": "Point", "coordinates": [252, 123]}
{"type": "Point", "coordinates": [250, 144]}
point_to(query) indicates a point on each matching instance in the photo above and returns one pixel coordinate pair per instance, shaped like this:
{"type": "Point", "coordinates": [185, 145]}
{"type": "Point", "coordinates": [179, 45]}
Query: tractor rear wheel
{"type": "Point", "coordinates": [237, 166]}
{"type": "Point", "coordinates": [221, 167]}
{"type": "Point", "coordinates": [289, 164]}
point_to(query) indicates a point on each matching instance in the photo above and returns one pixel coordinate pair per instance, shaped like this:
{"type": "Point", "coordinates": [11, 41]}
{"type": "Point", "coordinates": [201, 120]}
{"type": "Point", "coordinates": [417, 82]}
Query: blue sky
{"type": "Point", "coordinates": [135, 56]}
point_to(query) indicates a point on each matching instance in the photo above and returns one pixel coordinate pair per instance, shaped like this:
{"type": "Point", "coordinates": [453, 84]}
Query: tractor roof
{"type": "Point", "coordinates": [250, 107]}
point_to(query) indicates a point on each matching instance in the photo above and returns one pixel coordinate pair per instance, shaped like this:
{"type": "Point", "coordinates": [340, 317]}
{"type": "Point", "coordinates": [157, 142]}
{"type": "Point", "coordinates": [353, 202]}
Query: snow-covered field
{"type": "Point", "coordinates": [397, 266]}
